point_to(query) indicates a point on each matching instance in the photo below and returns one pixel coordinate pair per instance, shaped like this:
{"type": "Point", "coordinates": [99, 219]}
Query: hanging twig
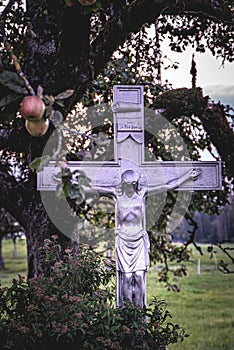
{"type": "Point", "coordinates": [11, 52]}
{"type": "Point", "coordinates": [18, 67]}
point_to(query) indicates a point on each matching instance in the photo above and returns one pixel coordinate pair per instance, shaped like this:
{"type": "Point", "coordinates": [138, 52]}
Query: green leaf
{"type": "Point", "coordinates": [59, 176]}
{"type": "Point", "coordinates": [74, 191]}
{"type": "Point", "coordinates": [12, 81]}
{"type": "Point", "coordinates": [59, 191]}
{"type": "Point", "coordinates": [81, 178]}
{"type": "Point", "coordinates": [96, 6]}
{"type": "Point", "coordinates": [80, 199]}
{"type": "Point", "coordinates": [35, 164]}
{"type": "Point", "coordinates": [6, 100]}
{"type": "Point", "coordinates": [84, 180]}
{"type": "Point", "coordinates": [66, 189]}
{"type": "Point", "coordinates": [39, 163]}
{"type": "Point", "coordinates": [56, 117]}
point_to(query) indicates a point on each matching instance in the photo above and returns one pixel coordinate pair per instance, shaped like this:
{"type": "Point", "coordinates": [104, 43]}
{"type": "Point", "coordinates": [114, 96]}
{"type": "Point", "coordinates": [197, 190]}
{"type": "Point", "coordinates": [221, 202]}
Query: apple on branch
{"type": "Point", "coordinates": [37, 128]}
{"type": "Point", "coordinates": [32, 108]}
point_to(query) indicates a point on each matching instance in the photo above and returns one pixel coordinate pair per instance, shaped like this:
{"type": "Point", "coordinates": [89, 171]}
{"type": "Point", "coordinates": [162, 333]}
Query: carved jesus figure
{"type": "Point", "coordinates": [132, 242]}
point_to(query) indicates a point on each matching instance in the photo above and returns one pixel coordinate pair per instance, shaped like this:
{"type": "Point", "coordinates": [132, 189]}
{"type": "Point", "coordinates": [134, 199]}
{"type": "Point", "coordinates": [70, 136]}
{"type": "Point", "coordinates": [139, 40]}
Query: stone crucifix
{"type": "Point", "coordinates": [129, 179]}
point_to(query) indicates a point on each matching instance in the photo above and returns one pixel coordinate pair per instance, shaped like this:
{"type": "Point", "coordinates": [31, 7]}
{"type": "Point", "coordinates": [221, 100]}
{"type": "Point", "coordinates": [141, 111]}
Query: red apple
{"type": "Point", "coordinates": [32, 108]}
{"type": "Point", "coordinates": [87, 2]}
{"type": "Point", "coordinates": [37, 128]}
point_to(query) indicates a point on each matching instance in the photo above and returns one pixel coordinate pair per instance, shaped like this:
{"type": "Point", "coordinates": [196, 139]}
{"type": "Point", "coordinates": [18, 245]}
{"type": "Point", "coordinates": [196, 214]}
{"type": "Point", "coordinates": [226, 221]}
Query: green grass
{"type": "Point", "coordinates": [204, 306]}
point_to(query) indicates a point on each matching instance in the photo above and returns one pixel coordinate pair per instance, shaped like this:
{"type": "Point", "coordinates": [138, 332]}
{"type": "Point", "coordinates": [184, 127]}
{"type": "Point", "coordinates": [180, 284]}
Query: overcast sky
{"type": "Point", "coordinates": [215, 80]}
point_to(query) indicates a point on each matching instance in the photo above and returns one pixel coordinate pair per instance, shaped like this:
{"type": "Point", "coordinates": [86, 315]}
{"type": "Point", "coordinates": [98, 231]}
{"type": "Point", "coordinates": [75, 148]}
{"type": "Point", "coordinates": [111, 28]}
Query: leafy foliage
{"type": "Point", "coordinates": [12, 81]}
{"type": "Point", "coordinates": [201, 32]}
{"type": "Point", "coordinates": [74, 307]}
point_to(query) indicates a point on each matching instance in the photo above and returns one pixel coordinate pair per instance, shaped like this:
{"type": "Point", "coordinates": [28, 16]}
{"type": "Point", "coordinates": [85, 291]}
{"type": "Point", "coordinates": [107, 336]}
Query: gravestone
{"type": "Point", "coordinates": [129, 178]}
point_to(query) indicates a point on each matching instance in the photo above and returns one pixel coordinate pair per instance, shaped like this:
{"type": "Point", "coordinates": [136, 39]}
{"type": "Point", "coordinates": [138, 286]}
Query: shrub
{"type": "Point", "coordinates": [74, 307]}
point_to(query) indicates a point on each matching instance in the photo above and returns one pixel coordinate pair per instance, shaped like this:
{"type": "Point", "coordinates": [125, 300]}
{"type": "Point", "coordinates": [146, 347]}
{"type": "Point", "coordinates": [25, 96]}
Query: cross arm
{"type": "Point", "coordinates": [104, 176]}
{"type": "Point", "coordinates": [185, 175]}
{"type": "Point", "coordinates": [191, 174]}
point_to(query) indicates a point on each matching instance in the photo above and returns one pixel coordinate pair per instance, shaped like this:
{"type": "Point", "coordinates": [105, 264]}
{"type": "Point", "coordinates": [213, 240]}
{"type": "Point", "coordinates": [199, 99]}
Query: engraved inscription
{"type": "Point", "coordinates": [129, 124]}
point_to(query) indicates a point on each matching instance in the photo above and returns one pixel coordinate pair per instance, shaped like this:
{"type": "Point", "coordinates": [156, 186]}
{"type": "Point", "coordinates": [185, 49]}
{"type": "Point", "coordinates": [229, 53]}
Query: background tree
{"type": "Point", "coordinates": [211, 228]}
{"type": "Point", "coordinates": [51, 48]}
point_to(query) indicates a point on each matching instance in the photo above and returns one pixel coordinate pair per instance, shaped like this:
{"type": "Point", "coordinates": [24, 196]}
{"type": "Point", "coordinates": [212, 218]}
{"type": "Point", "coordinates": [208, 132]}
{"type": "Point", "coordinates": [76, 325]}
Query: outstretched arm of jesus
{"type": "Point", "coordinates": [191, 174]}
{"type": "Point", "coordinates": [102, 191]}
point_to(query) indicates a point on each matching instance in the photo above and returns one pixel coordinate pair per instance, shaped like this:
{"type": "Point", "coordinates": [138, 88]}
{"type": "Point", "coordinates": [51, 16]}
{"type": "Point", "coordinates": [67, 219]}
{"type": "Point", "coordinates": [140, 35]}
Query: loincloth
{"type": "Point", "coordinates": [132, 255]}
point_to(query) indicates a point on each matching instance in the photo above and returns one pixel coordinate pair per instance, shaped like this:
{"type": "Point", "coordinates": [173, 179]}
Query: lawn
{"type": "Point", "coordinates": [204, 306]}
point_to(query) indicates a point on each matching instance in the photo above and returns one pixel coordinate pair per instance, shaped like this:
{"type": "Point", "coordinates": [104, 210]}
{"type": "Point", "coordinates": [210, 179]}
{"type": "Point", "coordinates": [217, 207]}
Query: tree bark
{"type": "Point", "coordinates": [57, 55]}
{"type": "Point", "coordinates": [24, 203]}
